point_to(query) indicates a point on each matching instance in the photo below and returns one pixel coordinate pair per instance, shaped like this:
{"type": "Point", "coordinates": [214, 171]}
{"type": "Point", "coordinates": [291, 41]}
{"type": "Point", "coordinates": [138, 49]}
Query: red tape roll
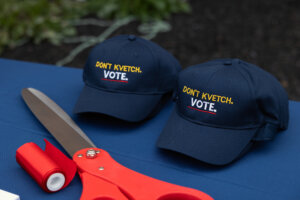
{"type": "Point", "coordinates": [51, 169]}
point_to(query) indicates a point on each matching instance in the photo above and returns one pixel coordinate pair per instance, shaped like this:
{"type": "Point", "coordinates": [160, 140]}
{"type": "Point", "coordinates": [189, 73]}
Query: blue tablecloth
{"type": "Point", "coordinates": [271, 171]}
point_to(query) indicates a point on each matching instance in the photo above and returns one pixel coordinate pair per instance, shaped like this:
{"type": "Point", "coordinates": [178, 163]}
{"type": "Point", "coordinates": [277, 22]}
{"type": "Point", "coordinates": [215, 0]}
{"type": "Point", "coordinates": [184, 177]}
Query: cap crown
{"type": "Point", "coordinates": [231, 93]}
{"type": "Point", "coordinates": [130, 64]}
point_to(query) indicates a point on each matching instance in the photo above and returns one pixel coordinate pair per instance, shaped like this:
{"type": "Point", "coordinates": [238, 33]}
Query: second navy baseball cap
{"type": "Point", "coordinates": [127, 77]}
{"type": "Point", "coordinates": [222, 108]}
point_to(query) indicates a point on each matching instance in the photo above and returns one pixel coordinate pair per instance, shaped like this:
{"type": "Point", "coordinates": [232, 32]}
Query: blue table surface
{"type": "Point", "coordinates": [271, 171]}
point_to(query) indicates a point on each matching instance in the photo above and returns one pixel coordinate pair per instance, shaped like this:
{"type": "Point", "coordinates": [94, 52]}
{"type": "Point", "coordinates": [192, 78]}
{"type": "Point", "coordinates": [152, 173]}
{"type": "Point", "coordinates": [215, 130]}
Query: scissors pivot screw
{"type": "Point", "coordinates": [79, 155]}
{"type": "Point", "coordinates": [101, 168]}
{"type": "Point", "coordinates": [91, 153]}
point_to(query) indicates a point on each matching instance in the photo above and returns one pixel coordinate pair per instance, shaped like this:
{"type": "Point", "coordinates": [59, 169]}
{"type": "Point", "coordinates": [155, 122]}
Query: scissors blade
{"type": "Point", "coordinates": [56, 121]}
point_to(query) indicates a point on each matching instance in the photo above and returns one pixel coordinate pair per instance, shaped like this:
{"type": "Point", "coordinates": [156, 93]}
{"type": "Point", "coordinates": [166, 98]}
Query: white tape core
{"type": "Point", "coordinates": [55, 182]}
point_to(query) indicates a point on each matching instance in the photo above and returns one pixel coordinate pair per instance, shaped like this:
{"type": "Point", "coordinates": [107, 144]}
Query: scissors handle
{"type": "Point", "coordinates": [95, 188]}
{"type": "Point", "coordinates": [105, 179]}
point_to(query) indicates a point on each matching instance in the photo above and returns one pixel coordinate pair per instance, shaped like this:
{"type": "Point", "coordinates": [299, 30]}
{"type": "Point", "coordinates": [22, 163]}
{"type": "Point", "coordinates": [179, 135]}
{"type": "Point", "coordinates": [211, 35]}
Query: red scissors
{"type": "Point", "coordinates": [102, 177]}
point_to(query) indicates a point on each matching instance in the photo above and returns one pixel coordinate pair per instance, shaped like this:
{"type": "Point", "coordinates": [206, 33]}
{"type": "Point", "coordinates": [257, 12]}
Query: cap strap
{"type": "Point", "coordinates": [267, 132]}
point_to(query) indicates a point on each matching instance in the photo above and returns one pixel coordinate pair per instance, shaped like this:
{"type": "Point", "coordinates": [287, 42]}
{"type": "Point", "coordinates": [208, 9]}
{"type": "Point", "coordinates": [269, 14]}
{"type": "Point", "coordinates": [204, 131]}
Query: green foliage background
{"type": "Point", "coordinates": [51, 20]}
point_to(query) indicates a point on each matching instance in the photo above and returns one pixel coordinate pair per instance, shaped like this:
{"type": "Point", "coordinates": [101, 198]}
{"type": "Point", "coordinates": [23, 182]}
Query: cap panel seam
{"type": "Point", "coordinates": [214, 73]}
{"type": "Point", "coordinates": [247, 81]}
{"type": "Point", "coordinates": [211, 76]}
{"type": "Point", "coordinates": [117, 54]}
{"type": "Point", "coordinates": [186, 71]}
{"type": "Point", "coordinates": [253, 93]}
{"type": "Point", "coordinates": [155, 58]}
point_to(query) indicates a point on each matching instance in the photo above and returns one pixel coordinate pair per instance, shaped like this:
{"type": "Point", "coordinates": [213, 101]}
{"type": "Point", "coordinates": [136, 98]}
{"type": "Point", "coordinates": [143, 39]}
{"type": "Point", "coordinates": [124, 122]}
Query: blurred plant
{"type": "Point", "coordinates": [34, 20]}
{"type": "Point", "coordinates": [55, 20]}
{"type": "Point", "coordinates": [143, 10]}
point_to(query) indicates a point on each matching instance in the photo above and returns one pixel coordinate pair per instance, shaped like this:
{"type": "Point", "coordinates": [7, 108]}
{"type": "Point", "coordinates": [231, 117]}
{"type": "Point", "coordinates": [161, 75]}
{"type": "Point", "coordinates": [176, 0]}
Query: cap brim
{"type": "Point", "coordinates": [125, 106]}
{"type": "Point", "coordinates": [209, 144]}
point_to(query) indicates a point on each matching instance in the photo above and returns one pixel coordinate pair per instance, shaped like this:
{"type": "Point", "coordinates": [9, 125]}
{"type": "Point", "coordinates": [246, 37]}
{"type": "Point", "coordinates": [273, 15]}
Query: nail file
{"type": "Point", "coordinates": [4, 195]}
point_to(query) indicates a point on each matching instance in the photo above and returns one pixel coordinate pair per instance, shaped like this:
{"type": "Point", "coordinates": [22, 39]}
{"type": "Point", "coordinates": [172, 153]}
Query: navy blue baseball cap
{"type": "Point", "coordinates": [127, 77]}
{"type": "Point", "coordinates": [222, 108]}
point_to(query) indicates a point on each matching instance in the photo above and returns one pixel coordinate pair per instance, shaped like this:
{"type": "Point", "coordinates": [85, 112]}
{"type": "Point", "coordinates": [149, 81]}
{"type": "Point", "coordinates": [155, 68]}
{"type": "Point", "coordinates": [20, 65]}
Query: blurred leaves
{"type": "Point", "coordinates": [151, 29]}
{"type": "Point", "coordinates": [52, 20]}
{"type": "Point", "coordinates": [34, 20]}
{"type": "Point", "coordinates": [143, 10]}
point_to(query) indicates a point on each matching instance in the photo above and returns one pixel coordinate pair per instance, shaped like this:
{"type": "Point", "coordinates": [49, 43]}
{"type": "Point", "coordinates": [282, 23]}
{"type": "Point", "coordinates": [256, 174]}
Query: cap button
{"type": "Point", "coordinates": [227, 62]}
{"type": "Point", "coordinates": [131, 37]}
